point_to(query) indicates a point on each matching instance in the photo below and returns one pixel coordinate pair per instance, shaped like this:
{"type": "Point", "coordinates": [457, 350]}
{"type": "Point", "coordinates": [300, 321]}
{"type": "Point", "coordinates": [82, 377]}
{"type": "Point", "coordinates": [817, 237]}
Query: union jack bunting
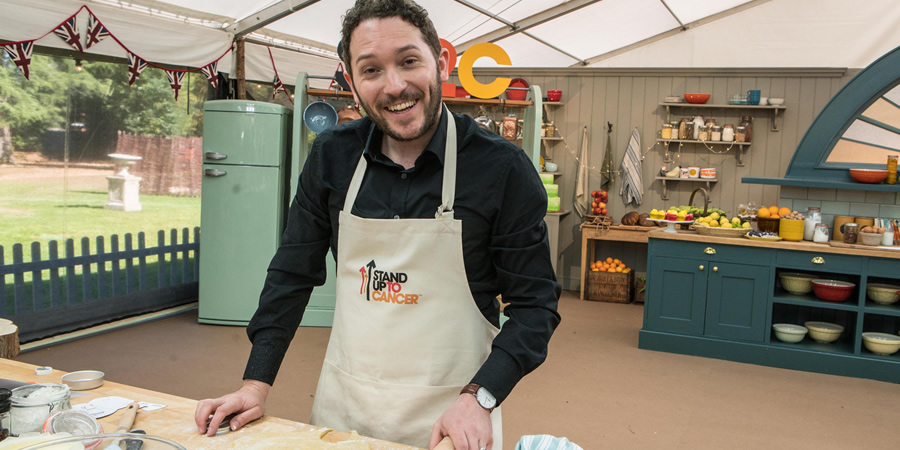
{"type": "Point", "coordinates": [136, 65]}
{"type": "Point", "coordinates": [21, 55]}
{"type": "Point", "coordinates": [96, 32]}
{"type": "Point", "coordinates": [175, 79]}
{"type": "Point", "coordinates": [277, 85]}
{"type": "Point", "coordinates": [68, 31]}
{"type": "Point", "coordinates": [212, 74]}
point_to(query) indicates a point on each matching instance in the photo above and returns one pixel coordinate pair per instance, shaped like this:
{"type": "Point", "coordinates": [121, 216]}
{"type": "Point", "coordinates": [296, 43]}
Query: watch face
{"type": "Point", "coordinates": [485, 398]}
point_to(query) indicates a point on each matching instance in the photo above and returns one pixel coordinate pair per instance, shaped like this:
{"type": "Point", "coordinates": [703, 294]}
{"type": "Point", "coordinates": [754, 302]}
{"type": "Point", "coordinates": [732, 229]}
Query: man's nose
{"type": "Point", "coordinates": [396, 83]}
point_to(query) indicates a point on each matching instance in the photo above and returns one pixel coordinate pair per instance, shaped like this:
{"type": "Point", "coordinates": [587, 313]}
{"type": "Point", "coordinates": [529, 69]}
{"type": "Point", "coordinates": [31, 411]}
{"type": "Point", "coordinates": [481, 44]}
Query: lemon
{"type": "Point", "coordinates": [714, 216]}
{"type": "Point", "coordinates": [746, 225]}
{"type": "Point", "coordinates": [727, 225]}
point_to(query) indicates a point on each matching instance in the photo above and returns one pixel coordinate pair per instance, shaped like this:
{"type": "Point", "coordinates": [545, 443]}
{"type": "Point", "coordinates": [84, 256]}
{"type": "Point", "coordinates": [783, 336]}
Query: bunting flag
{"type": "Point", "coordinates": [21, 55]}
{"type": "Point", "coordinates": [277, 85]}
{"type": "Point", "coordinates": [136, 65]}
{"type": "Point", "coordinates": [68, 32]}
{"type": "Point", "coordinates": [96, 32]}
{"type": "Point", "coordinates": [175, 79]}
{"type": "Point", "coordinates": [212, 74]}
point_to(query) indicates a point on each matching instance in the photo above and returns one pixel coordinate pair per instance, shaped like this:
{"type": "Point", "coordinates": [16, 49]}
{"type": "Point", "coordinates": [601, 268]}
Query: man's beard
{"type": "Point", "coordinates": [432, 111]}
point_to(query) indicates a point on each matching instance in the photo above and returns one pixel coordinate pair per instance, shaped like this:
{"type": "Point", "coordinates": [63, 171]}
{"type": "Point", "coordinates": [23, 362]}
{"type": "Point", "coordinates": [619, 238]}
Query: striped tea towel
{"type": "Point", "coordinates": [582, 189]}
{"type": "Point", "coordinates": [545, 442]}
{"type": "Point", "coordinates": [632, 189]}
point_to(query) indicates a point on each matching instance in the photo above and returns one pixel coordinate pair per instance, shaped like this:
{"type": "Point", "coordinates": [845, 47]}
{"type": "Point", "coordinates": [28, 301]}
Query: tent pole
{"type": "Point", "coordinates": [241, 73]}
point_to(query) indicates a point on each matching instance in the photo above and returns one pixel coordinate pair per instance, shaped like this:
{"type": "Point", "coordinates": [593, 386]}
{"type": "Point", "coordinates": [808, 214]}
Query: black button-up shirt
{"type": "Point", "coordinates": [500, 200]}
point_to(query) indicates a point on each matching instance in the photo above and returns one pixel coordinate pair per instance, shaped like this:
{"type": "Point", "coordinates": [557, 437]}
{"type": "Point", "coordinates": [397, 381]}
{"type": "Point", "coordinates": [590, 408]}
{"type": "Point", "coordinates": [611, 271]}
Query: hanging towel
{"type": "Point", "coordinates": [608, 174]}
{"type": "Point", "coordinates": [632, 189]}
{"type": "Point", "coordinates": [582, 187]}
{"type": "Point", "coordinates": [545, 442]}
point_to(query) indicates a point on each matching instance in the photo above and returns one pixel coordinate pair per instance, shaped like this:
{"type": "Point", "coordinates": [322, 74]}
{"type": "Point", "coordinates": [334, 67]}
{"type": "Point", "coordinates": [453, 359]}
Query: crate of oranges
{"type": "Point", "coordinates": [609, 280]}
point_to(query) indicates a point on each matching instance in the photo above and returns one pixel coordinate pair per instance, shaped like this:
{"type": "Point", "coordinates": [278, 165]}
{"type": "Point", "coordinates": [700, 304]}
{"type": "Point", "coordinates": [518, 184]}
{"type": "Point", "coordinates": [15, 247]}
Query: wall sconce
{"type": "Point", "coordinates": [78, 66]}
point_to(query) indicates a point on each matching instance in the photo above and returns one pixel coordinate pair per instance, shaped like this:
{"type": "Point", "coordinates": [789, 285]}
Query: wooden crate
{"type": "Point", "coordinates": [609, 287]}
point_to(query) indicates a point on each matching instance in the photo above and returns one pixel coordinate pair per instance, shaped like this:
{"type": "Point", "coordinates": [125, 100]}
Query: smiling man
{"type": "Point", "coordinates": [431, 218]}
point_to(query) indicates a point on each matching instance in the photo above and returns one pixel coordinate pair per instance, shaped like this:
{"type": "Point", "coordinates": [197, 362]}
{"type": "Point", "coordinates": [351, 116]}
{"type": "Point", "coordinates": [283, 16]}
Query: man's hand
{"type": "Point", "coordinates": [467, 424]}
{"type": "Point", "coordinates": [249, 401]}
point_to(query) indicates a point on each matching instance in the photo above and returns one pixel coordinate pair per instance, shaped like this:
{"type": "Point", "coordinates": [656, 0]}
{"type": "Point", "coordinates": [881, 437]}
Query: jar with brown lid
{"type": "Point", "coordinates": [851, 231]}
{"type": "Point", "coordinates": [747, 123]}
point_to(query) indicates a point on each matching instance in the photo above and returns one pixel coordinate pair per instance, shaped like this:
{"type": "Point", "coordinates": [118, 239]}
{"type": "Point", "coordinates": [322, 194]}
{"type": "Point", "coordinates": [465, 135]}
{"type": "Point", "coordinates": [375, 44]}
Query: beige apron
{"type": "Point", "coordinates": [407, 335]}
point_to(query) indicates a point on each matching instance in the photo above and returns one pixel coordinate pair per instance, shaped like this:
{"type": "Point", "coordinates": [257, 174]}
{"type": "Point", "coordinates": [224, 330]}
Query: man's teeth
{"type": "Point", "coordinates": [401, 106]}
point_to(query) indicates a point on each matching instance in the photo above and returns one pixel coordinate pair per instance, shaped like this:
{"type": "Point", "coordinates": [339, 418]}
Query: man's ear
{"type": "Point", "coordinates": [352, 87]}
{"type": "Point", "coordinates": [444, 64]}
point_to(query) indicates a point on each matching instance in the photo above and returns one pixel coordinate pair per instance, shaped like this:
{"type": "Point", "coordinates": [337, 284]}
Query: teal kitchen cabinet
{"type": "Point", "coordinates": [680, 290]}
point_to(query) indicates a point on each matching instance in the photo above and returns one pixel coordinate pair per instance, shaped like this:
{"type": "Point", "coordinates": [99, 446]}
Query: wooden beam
{"type": "Point", "coordinates": [266, 16]}
{"type": "Point", "coordinates": [241, 70]}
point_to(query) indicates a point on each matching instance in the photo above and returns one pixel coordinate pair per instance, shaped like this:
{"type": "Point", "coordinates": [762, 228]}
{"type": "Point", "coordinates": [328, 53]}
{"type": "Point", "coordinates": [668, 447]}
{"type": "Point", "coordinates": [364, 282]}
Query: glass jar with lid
{"type": "Point", "coordinates": [666, 132]}
{"type": "Point", "coordinates": [740, 134]}
{"type": "Point", "coordinates": [698, 122]}
{"type": "Point", "coordinates": [31, 405]}
{"type": "Point", "coordinates": [747, 123]}
{"type": "Point", "coordinates": [851, 231]}
{"type": "Point", "coordinates": [728, 132]}
{"type": "Point", "coordinates": [821, 234]}
{"type": "Point", "coordinates": [813, 218]}
{"type": "Point", "coordinates": [682, 128]}
{"type": "Point", "coordinates": [715, 133]}
{"type": "Point", "coordinates": [703, 135]}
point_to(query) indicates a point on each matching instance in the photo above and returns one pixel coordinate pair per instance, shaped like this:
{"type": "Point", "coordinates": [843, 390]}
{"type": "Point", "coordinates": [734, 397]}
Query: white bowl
{"type": "Point", "coordinates": [550, 167]}
{"type": "Point", "coordinates": [881, 343]}
{"type": "Point", "coordinates": [824, 332]}
{"type": "Point", "coordinates": [776, 101]}
{"type": "Point", "coordinates": [788, 332]}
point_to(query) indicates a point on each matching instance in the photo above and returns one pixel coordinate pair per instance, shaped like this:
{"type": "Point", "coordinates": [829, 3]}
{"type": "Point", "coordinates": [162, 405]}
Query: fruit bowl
{"type": "Point", "coordinates": [832, 290]}
{"type": "Point", "coordinates": [868, 176]}
{"type": "Point", "coordinates": [797, 283]}
{"type": "Point", "coordinates": [881, 343]}
{"type": "Point", "coordinates": [824, 332]}
{"type": "Point", "coordinates": [698, 99]}
{"type": "Point", "coordinates": [883, 294]}
{"type": "Point", "coordinates": [788, 332]}
{"type": "Point", "coordinates": [872, 239]}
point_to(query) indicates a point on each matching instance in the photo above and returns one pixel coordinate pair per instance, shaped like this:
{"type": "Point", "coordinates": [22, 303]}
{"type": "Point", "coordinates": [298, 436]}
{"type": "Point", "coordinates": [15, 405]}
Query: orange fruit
{"type": "Point", "coordinates": [617, 261]}
{"type": "Point", "coordinates": [784, 211]}
{"type": "Point", "coordinates": [773, 210]}
{"type": "Point", "coordinates": [619, 269]}
{"type": "Point", "coordinates": [609, 260]}
{"type": "Point", "coordinates": [595, 270]}
{"type": "Point", "coordinates": [593, 265]}
{"type": "Point", "coordinates": [763, 212]}
{"type": "Point", "coordinates": [626, 271]}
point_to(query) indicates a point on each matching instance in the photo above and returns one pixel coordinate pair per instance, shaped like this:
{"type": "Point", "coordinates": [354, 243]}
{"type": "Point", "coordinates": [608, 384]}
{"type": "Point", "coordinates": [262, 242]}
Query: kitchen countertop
{"type": "Point", "coordinates": [176, 420]}
{"type": "Point", "coordinates": [805, 246]}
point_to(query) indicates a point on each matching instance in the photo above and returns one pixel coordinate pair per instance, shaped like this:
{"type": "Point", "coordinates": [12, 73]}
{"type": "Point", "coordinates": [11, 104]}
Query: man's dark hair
{"type": "Point", "coordinates": [407, 10]}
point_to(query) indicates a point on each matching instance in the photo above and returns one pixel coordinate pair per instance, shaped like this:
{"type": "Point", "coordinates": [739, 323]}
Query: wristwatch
{"type": "Point", "coordinates": [482, 396]}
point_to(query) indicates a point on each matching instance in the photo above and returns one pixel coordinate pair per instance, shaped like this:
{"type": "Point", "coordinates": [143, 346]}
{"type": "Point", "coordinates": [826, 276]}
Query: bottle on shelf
{"type": "Point", "coordinates": [698, 122]}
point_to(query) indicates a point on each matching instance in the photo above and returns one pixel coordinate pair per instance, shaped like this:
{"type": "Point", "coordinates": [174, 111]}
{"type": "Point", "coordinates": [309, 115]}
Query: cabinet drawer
{"type": "Point", "coordinates": [723, 252]}
{"type": "Point", "coordinates": [823, 261]}
{"type": "Point", "coordinates": [888, 268]}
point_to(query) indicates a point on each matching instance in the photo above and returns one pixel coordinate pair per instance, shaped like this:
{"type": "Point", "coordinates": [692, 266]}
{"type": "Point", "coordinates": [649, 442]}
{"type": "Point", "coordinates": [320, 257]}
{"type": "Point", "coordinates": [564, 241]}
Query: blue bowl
{"type": "Point", "coordinates": [319, 116]}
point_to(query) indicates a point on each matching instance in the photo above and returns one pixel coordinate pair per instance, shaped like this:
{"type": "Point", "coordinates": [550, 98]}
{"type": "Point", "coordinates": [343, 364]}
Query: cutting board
{"type": "Point", "coordinates": [865, 247]}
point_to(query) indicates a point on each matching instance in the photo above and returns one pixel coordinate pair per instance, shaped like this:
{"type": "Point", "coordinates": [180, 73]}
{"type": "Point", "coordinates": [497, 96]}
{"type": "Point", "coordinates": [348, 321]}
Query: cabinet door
{"type": "Point", "coordinates": [736, 301]}
{"type": "Point", "coordinates": [676, 295]}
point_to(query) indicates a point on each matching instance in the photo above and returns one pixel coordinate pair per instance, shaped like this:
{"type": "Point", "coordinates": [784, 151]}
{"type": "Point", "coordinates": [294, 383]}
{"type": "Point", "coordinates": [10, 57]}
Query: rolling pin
{"type": "Point", "coordinates": [125, 424]}
{"type": "Point", "coordinates": [445, 444]}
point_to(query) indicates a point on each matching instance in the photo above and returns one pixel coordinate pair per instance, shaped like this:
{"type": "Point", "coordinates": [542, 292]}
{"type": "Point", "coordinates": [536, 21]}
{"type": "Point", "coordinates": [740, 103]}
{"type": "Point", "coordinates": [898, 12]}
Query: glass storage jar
{"type": "Point", "coordinates": [715, 133]}
{"type": "Point", "coordinates": [33, 404]}
{"type": "Point", "coordinates": [698, 122]}
{"type": "Point", "coordinates": [813, 218]}
{"type": "Point", "coordinates": [851, 231]}
{"type": "Point", "coordinates": [666, 132]}
{"type": "Point", "coordinates": [682, 128]}
{"type": "Point", "coordinates": [747, 123]}
{"type": "Point", "coordinates": [728, 132]}
{"type": "Point", "coordinates": [821, 235]}
{"type": "Point", "coordinates": [703, 135]}
{"type": "Point", "coordinates": [740, 134]}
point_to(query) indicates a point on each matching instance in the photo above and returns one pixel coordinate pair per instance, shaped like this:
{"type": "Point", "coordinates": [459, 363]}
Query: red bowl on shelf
{"type": "Point", "coordinates": [515, 94]}
{"type": "Point", "coordinates": [554, 95]}
{"type": "Point", "coordinates": [868, 176]}
{"type": "Point", "coordinates": [832, 290]}
{"type": "Point", "coordinates": [696, 98]}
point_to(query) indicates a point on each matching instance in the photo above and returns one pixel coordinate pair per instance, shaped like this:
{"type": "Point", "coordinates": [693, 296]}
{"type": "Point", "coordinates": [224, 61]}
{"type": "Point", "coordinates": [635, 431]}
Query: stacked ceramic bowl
{"type": "Point", "coordinates": [824, 332]}
{"type": "Point", "coordinates": [884, 294]}
{"type": "Point", "coordinates": [881, 343]}
{"type": "Point", "coordinates": [788, 332]}
{"type": "Point", "coordinates": [797, 283]}
{"type": "Point", "coordinates": [832, 290]}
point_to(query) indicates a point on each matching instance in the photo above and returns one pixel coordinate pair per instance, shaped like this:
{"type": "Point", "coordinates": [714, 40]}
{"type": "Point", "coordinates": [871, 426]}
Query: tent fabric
{"type": "Point", "coordinates": [607, 33]}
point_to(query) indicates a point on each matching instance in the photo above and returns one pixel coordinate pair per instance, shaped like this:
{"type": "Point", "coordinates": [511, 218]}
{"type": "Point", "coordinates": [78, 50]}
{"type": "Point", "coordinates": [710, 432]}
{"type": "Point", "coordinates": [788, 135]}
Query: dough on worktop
{"type": "Point", "coordinates": [305, 439]}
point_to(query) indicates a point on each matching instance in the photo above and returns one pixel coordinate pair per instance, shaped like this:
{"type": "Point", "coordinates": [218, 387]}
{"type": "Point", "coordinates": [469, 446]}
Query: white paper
{"type": "Point", "coordinates": [103, 406]}
{"type": "Point", "coordinates": [144, 406]}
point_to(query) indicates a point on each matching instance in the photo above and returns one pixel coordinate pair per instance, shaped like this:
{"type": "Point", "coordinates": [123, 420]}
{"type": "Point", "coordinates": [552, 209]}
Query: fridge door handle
{"type": "Point", "coordinates": [215, 156]}
{"type": "Point", "coordinates": [214, 173]}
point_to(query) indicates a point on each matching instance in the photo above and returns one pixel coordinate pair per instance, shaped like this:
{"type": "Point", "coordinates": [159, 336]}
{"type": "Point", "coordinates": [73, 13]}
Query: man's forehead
{"type": "Point", "coordinates": [392, 33]}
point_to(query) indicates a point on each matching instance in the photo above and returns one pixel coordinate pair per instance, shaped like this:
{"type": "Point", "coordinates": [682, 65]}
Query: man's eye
{"type": "Point", "coordinates": [409, 61]}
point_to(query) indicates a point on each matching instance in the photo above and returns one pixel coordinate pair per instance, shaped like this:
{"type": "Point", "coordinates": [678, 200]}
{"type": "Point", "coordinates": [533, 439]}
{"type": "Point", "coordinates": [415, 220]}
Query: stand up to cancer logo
{"type": "Point", "coordinates": [385, 286]}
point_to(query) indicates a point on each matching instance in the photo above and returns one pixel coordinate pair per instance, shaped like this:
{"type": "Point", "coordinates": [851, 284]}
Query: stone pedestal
{"type": "Point", "coordinates": [124, 188]}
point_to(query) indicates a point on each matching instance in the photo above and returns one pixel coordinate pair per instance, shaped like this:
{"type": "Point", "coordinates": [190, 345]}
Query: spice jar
{"type": "Point", "coordinates": [715, 133]}
{"type": "Point", "coordinates": [31, 405]}
{"type": "Point", "coordinates": [820, 235]}
{"type": "Point", "coordinates": [892, 169]}
{"type": "Point", "coordinates": [728, 132]}
{"type": "Point", "coordinates": [851, 231]}
{"type": "Point", "coordinates": [666, 132]}
{"type": "Point", "coordinates": [813, 218]}
{"type": "Point", "coordinates": [739, 134]}
{"type": "Point", "coordinates": [747, 123]}
{"type": "Point", "coordinates": [703, 135]}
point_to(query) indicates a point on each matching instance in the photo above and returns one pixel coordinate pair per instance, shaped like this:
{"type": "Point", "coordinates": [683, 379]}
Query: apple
{"type": "Point", "coordinates": [595, 194]}
{"type": "Point", "coordinates": [594, 205]}
{"type": "Point", "coordinates": [601, 205]}
{"type": "Point", "coordinates": [596, 211]}
{"type": "Point", "coordinates": [602, 211]}
{"type": "Point", "coordinates": [689, 217]}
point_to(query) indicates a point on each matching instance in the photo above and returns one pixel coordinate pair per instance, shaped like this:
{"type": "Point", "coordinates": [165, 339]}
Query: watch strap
{"type": "Point", "coordinates": [473, 388]}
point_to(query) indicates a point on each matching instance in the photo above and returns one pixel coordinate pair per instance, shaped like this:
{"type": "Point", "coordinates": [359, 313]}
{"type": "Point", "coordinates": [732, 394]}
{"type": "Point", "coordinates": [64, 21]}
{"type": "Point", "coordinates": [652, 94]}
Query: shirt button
{"type": "Point", "coordinates": [396, 217]}
{"type": "Point", "coordinates": [403, 176]}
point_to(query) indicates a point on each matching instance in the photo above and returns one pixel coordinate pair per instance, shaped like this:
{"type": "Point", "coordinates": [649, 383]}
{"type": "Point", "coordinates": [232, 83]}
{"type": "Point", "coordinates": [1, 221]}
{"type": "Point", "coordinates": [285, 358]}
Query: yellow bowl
{"type": "Point", "coordinates": [881, 343]}
{"type": "Point", "coordinates": [790, 230]}
{"type": "Point", "coordinates": [824, 332]}
{"type": "Point", "coordinates": [884, 294]}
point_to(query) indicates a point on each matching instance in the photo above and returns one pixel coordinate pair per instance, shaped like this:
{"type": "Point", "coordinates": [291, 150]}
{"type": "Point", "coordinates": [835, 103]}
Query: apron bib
{"type": "Point", "coordinates": [407, 335]}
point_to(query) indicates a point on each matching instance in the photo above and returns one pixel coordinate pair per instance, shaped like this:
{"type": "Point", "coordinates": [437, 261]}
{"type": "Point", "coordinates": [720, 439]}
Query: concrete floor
{"type": "Point", "coordinates": [596, 388]}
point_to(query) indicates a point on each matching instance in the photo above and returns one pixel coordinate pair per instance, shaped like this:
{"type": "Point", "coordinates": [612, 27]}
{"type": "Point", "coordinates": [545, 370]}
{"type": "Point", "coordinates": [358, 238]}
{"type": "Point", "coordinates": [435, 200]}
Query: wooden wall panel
{"type": "Point", "coordinates": [630, 98]}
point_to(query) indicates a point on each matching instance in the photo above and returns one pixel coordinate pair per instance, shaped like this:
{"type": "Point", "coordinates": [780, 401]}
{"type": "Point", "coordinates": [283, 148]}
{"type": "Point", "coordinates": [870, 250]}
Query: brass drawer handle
{"type": "Point", "coordinates": [818, 260]}
{"type": "Point", "coordinates": [716, 269]}
{"type": "Point", "coordinates": [701, 267]}
{"type": "Point", "coordinates": [709, 251]}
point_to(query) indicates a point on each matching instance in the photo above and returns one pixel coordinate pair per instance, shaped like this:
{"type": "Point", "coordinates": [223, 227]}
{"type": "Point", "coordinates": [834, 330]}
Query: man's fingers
{"type": "Point", "coordinates": [245, 417]}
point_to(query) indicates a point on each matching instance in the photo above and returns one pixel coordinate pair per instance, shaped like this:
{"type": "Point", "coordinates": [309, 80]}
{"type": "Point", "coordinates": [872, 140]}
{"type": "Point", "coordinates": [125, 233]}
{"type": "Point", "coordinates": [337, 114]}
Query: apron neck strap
{"type": "Point", "coordinates": [448, 188]}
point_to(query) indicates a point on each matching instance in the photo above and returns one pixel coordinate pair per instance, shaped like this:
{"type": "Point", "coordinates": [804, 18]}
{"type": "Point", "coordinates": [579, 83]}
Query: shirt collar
{"type": "Point", "coordinates": [436, 146]}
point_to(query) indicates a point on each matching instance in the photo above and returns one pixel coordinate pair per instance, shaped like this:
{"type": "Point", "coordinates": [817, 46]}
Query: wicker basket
{"type": "Point", "coordinates": [595, 226]}
{"type": "Point", "coordinates": [721, 232]}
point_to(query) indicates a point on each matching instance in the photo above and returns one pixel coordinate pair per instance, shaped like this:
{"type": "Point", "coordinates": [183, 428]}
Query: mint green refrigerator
{"type": "Point", "coordinates": [245, 192]}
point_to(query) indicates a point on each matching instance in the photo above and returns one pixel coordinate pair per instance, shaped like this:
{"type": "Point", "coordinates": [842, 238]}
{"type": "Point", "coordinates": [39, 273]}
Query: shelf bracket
{"type": "Point", "coordinates": [665, 193]}
{"type": "Point", "coordinates": [775, 120]}
{"type": "Point", "coordinates": [740, 155]}
{"type": "Point", "coordinates": [667, 158]}
{"type": "Point", "coordinates": [668, 114]}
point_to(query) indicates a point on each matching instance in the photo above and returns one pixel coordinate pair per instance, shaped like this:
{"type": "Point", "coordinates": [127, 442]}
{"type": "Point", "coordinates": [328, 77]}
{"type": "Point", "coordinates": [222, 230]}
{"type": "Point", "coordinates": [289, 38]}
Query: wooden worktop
{"type": "Point", "coordinates": [176, 420]}
{"type": "Point", "coordinates": [805, 246]}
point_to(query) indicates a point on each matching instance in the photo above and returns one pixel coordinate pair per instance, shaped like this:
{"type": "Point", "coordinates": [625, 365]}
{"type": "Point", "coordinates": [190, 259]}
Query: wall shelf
{"type": "Point", "coordinates": [665, 194]}
{"type": "Point", "coordinates": [739, 154]}
{"type": "Point", "coordinates": [775, 110]}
